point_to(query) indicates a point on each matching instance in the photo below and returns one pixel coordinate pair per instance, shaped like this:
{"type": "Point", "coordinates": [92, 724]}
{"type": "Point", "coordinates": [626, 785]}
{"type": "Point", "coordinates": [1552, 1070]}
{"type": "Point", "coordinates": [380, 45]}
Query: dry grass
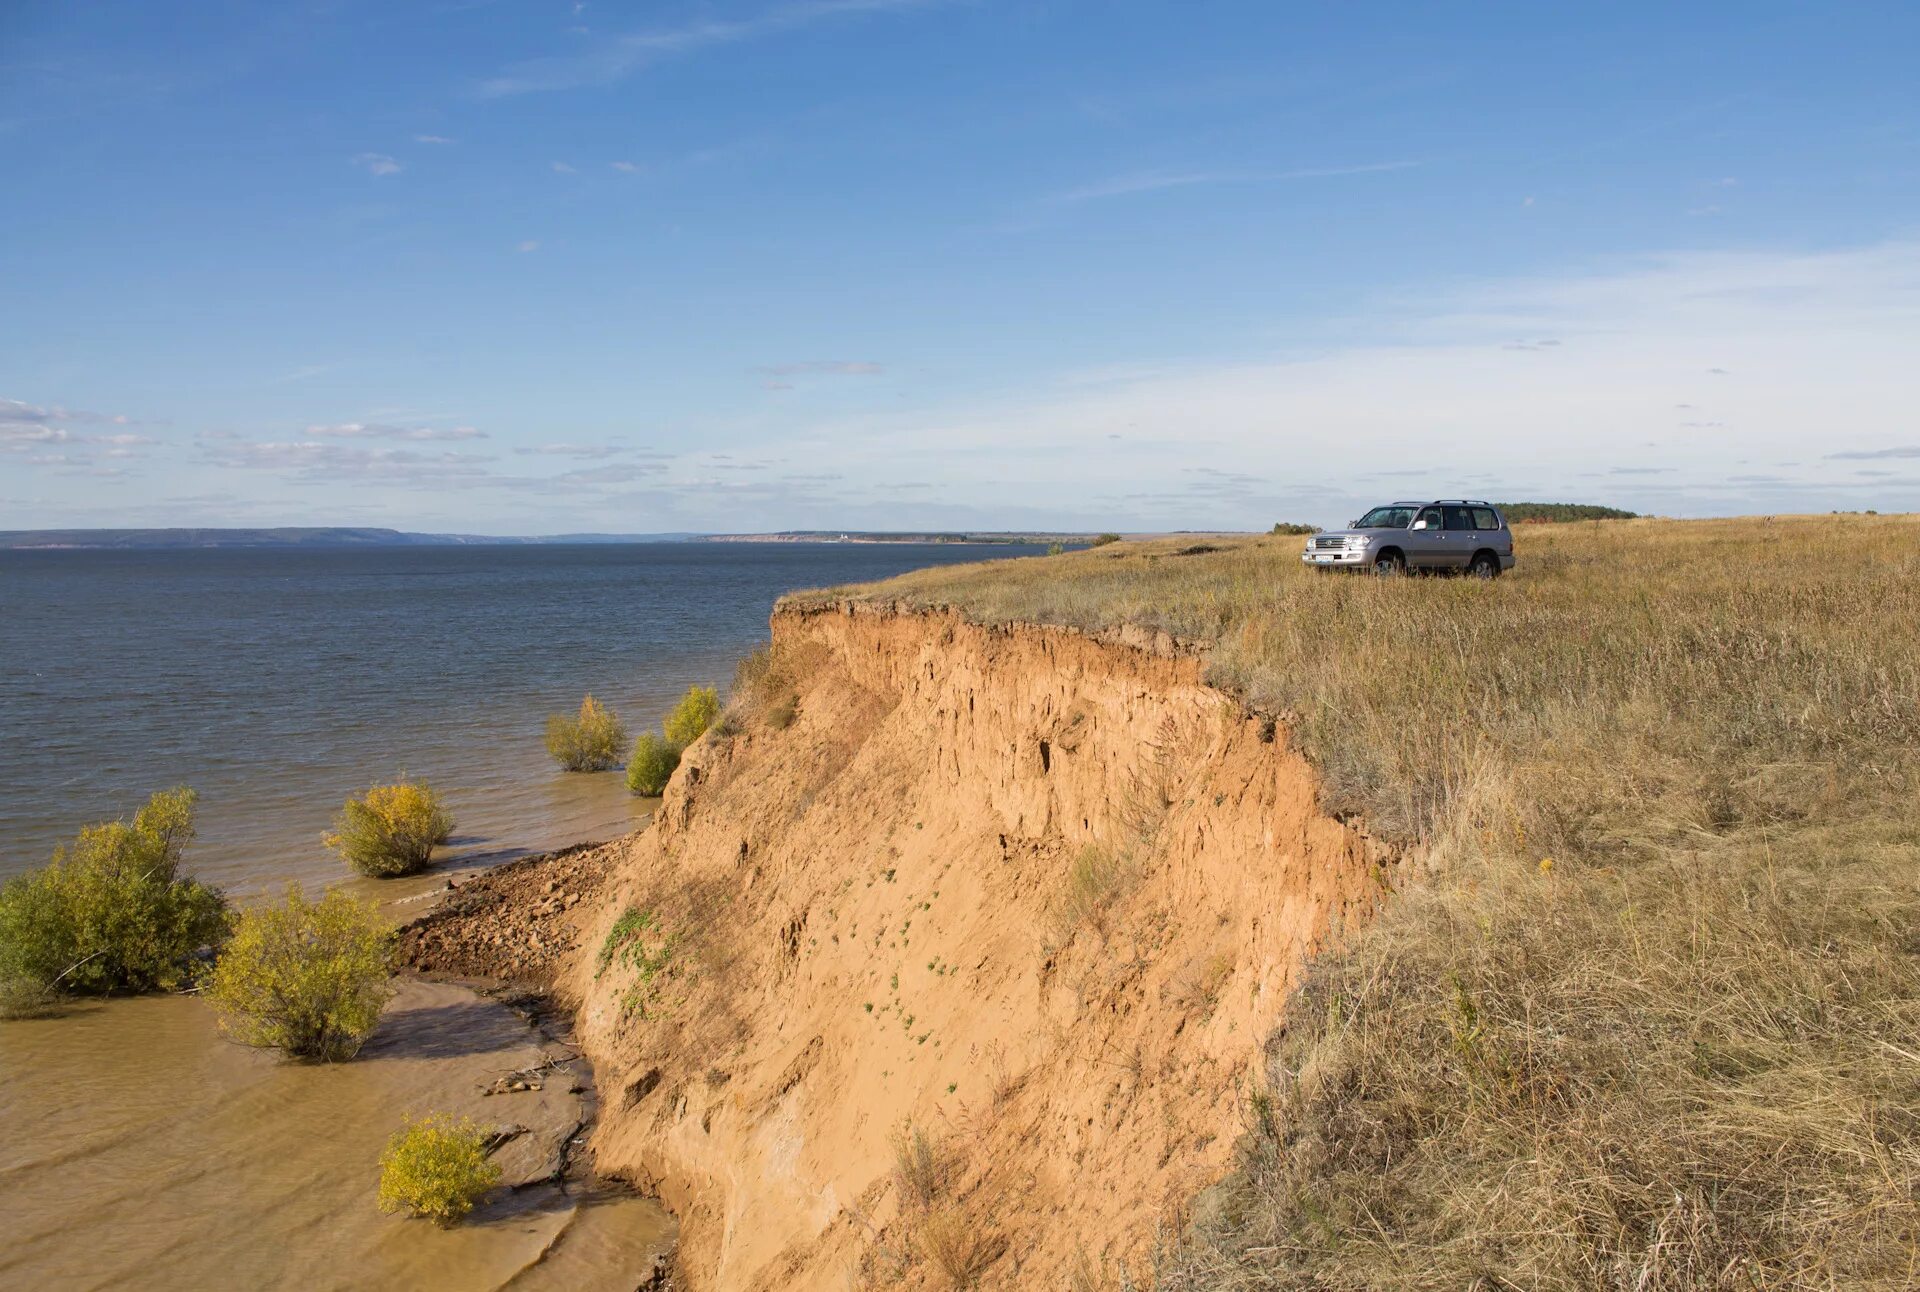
{"type": "Point", "coordinates": [1654, 1022]}
{"type": "Point", "coordinates": [1093, 883]}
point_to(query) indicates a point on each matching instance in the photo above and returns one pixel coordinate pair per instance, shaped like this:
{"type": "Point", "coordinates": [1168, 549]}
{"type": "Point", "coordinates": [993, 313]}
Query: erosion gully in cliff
{"type": "Point", "coordinates": [948, 958]}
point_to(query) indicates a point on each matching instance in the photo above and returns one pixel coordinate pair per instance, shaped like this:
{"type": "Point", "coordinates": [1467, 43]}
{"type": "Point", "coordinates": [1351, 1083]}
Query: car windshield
{"type": "Point", "coordinates": [1387, 518]}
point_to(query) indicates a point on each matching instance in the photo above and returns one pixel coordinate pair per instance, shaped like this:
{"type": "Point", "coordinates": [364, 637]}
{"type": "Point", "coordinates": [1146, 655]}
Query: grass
{"type": "Point", "coordinates": [1653, 1021]}
{"type": "Point", "coordinates": [1096, 879]}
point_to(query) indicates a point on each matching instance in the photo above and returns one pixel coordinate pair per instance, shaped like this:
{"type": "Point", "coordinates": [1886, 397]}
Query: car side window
{"type": "Point", "coordinates": [1457, 518]}
{"type": "Point", "coordinates": [1428, 519]}
{"type": "Point", "coordinates": [1483, 518]}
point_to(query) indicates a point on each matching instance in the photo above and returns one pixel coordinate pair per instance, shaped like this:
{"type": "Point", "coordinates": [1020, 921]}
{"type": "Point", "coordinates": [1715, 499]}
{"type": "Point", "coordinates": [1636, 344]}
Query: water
{"type": "Point", "coordinates": [139, 1148]}
{"type": "Point", "coordinates": [278, 683]}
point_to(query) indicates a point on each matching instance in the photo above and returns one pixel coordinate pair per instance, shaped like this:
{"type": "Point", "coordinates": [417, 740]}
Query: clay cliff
{"type": "Point", "coordinates": [949, 956]}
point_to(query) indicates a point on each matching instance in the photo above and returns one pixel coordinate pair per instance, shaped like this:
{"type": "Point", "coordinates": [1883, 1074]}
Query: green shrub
{"type": "Point", "coordinates": [651, 765]}
{"type": "Point", "coordinates": [692, 716]}
{"type": "Point", "coordinates": [391, 830]}
{"type": "Point", "coordinates": [27, 998]}
{"type": "Point", "coordinates": [1101, 540]}
{"type": "Point", "coordinates": [306, 977]}
{"type": "Point", "coordinates": [437, 1168]}
{"type": "Point", "coordinates": [1055, 549]}
{"type": "Point", "coordinates": [111, 912]}
{"type": "Point", "coordinates": [1294, 527]}
{"type": "Point", "coordinates": [590, 741]}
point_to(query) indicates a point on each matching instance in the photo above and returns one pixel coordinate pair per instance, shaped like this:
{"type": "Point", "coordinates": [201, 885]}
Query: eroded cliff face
{"type": "Point", "coordinates": [1039, 896]}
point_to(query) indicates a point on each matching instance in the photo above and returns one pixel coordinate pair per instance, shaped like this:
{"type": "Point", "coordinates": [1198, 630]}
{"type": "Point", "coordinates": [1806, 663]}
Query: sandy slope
{"type": "Point", "coordinates": [855, 923]}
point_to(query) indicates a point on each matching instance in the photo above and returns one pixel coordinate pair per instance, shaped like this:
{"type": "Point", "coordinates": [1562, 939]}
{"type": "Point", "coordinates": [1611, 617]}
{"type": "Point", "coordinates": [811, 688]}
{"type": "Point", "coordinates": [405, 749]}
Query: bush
{"type": "Point", "coordinates": [437, 1168]}
{"type": "Point", "coordinates": [391, 830]}
{"type": "Point", "coordinates": [651, 765]}
{"type": "Point", "coordinates": [306, 977]}
{"type": "Point", "coordinates": [1294, 527]}
{"type": "Point", "coordinates": [1101, 540]}
{"type": "Point", "coordinates": [692, 716]}
{"type": "Point", "coordinates": [27, 998]}
{"type": "Point", "coordinates": [1055, 549]}
{"type": "Point", "coordinates": [111, 912]}
{"type": "Point", "coordinates": [591, 741]}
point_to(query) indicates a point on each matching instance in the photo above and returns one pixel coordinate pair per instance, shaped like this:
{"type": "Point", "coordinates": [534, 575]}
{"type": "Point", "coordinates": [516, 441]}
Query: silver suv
{"type": "Point", "coordinates": [1458, 534]}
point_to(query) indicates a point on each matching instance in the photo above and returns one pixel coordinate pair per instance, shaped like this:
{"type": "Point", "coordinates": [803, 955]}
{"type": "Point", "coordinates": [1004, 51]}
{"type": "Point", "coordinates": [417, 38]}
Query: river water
{"type": "Point", "coordinates": [138, 1148]}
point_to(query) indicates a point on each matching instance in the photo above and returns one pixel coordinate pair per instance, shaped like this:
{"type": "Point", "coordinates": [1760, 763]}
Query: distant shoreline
{"type": "Point", "coordinates": [334, 538]}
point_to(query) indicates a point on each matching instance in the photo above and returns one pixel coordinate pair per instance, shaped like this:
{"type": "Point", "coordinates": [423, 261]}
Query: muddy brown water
{"type": "Point", "coordinates": [143, 1150]}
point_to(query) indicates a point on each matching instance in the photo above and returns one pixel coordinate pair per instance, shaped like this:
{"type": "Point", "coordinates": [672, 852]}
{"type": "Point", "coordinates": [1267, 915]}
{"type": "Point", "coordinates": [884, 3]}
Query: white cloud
{"type": "Point", "coordinates": [609, 60]}
{"type": "Point", "coordinates": [381, 431]}
{"type": "Point", "coordinates": [1155, 181]}
{"type": "Point", "coordinates": [377, 163]}
{"type": "Point", "coordinates": [432, 139]}
{"type": "Point", "coordinates": [531, 244]}
{"type": "Point", "coordinates": [561, 168]}
{"type": "Point", "coordinates": [625, 167]}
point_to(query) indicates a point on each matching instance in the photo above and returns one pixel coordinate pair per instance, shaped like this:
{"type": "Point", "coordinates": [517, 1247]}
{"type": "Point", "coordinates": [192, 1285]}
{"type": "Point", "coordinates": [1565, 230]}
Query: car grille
{"type": "Point", "coordinates": [1329, 542]}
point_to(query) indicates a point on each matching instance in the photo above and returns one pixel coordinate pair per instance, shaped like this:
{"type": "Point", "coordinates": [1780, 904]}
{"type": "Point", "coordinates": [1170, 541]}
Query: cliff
{"type": "Point", "coordinates": [950, 955]}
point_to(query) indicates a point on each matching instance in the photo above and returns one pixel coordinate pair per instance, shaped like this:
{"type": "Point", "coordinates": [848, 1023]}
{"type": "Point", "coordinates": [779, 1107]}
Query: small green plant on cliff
{"type": "Point", "coordinates": [437, 1169]}
{"type": "Point", "coordinates": [111, 912]}
{"type": "Point", "coordinates": [590, 741]}
{"type": "Point", "coordinates": [638, 944]}
{"type": "Point", "coordinates": [391, 830]}
{"type": "Point", "coordinates": [651, 765]}
{"type": "Point", "coordinates": [309, 978]}
{"type": "Point", "coordinates": [692, 716]}
{"type": "Point", "coordinates": [1092, 884]}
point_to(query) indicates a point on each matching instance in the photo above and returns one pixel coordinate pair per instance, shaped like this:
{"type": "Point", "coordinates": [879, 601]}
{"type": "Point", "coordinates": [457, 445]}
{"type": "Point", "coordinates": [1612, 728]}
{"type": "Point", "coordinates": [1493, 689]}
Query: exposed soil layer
{"type": "Point", "coordinates": [1037, 896]}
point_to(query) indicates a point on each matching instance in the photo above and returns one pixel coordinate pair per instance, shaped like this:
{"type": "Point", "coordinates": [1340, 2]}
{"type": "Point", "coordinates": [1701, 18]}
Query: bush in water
{"type": "Point", "coordinates": [306, 977]}
{"type": "Point", "coordinates": [391, 829]}
{"type": "Point", "coordinates": [692, 716]}
{"type": "Point", "coordinates": [590, 741]}
{"type": "Point", "coordinates": [436, 1168]}
{"type": "Point", "coordinates": [651, 765]}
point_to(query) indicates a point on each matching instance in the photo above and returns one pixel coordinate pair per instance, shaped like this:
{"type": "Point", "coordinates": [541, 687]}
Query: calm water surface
{"type": "Point", "coordinates": [279, 682]}
{"type": "Point", "coordinates": [137, 1148]}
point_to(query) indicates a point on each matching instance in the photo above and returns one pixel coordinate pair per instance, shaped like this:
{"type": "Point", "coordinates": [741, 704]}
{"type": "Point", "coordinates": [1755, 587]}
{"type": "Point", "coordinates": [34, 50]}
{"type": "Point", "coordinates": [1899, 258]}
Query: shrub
{"type": "Point", "coordinates": [111, 912]}
{"type": "Point", "coordinates": [306, 977]}
{"type": "Point", "coordinates": [1055, 549]}
{"type": "Point", "coordinates": [590, 741]}
{"type": "Point", "coordinates": [27, 998]}
{"type": "Point", "coordinates": [1101, 540]}
{"type": "Point", "coordinates": [1294, 527]}
{"type": "Point", "coordinates": [1093, 883]}
{"type": "Point", "coordinates": [391, 830]}
{"type": "Point", "coordinates": [437, 1168]}
{"type": "Point", "coordinates": [692, 716]}
{"type": "Point", "coordinates": [921, 1167]}
{"type": "Point", "coordinates": [651, 765]}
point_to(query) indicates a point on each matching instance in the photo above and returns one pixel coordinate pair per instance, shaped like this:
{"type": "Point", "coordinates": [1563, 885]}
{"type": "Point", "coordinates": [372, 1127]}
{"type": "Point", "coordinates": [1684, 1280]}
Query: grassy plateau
{"type": "Point", "coordinates": [1648, 1015]}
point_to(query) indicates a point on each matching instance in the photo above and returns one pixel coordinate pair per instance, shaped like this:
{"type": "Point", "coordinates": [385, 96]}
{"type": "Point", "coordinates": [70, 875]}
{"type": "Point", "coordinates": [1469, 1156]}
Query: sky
{"type": "Point", "coordinates": [545, 266]}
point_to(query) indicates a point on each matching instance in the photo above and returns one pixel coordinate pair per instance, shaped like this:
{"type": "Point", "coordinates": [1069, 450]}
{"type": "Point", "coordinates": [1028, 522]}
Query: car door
{"type": "Point", "coordinates": [1427, 540]}
{"type": "Point", "coordinates": [1460, 539]}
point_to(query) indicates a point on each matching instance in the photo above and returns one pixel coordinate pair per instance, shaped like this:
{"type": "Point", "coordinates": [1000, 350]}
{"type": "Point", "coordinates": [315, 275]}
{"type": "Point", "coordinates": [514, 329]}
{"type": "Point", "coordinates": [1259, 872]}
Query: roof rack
{"type": "Point", "coordinates": [1463, 502]}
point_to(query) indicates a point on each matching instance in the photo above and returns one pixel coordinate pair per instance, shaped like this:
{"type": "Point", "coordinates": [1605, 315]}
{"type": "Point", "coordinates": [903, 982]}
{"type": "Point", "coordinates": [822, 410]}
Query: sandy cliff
{"type": "Point", "coordinates": [1040, 897]}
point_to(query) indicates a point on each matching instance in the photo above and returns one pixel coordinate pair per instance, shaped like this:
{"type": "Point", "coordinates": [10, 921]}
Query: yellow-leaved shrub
{"type": "Point", "coordinates": [391, 829]}
{"type": "Point", "coordinates": [309, 978]}
{"type": "Point", "coordinates": [437, 1168]}
{"type": "Point", "coordinates": [590, 741]}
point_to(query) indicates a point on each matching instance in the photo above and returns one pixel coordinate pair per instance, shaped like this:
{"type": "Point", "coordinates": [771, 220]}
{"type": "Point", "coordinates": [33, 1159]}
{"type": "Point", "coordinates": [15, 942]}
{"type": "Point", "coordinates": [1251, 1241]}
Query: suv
{"type": "Point", "coordinates": [1451, 534]}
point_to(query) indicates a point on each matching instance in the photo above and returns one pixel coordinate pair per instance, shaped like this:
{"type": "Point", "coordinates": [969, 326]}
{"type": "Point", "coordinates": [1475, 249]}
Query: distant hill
{"type": "Point", "coordinates": [288, 536]}
{"type": "Point", "coordinates": [1517, 512]}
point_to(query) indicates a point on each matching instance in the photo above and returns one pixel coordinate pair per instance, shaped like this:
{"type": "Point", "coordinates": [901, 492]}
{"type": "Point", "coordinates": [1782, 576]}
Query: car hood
{"type": "Point", "coordinates": [1359, 533]}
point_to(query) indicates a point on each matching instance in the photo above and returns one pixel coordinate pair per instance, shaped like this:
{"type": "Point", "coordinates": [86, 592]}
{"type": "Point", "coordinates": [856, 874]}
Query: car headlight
{"type": "Point", "coordinates": [1357, 542]}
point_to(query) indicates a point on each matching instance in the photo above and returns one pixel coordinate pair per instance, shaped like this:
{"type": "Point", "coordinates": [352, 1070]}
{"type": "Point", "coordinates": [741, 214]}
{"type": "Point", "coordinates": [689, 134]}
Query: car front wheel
{"type": "Point", "coordinates": [1389, 564]}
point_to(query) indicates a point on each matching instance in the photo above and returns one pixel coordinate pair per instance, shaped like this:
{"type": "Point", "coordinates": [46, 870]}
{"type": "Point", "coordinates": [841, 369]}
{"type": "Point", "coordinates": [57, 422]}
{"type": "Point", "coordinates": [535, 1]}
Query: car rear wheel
{"type": "Point", "coordinates": [1389, 564]}
{"type": "Point", "coordinates": [1485, 565]}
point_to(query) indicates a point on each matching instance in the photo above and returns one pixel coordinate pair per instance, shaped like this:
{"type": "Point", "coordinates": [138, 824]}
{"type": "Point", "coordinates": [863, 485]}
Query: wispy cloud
{"type": "Point", "coordinates": [432, 139]}
{"type": "Point", "coordinates": [1154, 181]}
{"type": "Point", "coordinates": [833, 367]}
{"type": "Point", "coordinates": [530, 244]}
{"type": "Point", "coordinates": [1877, 455]}
{"type": "Point", "coordinates": [614, 58]}
{"type": "Point", "coordinates": [377, 164]}
{"type": "Point", "coordinates": [625, 167]}
{"type": "Point", "coordinates": [561, 168]}
{"type": "Point", "coordinates": [382, 431]}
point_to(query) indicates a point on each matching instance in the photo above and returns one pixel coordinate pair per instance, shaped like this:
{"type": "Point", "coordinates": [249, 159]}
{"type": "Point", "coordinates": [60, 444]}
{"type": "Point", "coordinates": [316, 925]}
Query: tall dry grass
{"type": "Point", "coordinates": [1652, 1020]}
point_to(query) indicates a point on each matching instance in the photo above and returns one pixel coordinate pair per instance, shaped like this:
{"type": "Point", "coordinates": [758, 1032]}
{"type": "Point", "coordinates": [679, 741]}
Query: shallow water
{"type": "Point", "coordinates": [142, 1150]}
{"type": "Point", "coordinates": [137, 1148]}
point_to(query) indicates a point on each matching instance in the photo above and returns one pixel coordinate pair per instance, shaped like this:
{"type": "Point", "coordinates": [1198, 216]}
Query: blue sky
{"type": "Point", "coordinates": [522, 267]}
